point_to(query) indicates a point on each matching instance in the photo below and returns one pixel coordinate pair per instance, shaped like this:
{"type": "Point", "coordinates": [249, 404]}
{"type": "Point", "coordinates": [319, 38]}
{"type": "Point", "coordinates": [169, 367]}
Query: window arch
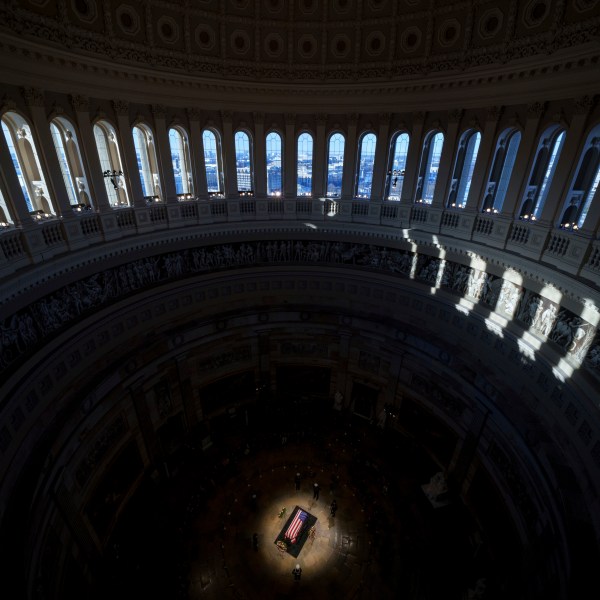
{"type": "Point", "coordinates": [542, 172]}
{"type": "Point", "coordinates": [181, 160]}
{"type": "Point", "coordinates": [243, 163]}
{"type": "Point", "coordinates": [468, 147]}
{"type": "Point", "coordinates": [335, 164]}
{"type": "Point", "coordinates": [504, 161]}
{"type": "Point", "coordinates": [366, 161]}
{"type": "Point", "coordinates": [213, 161]}
{"type": "Point", "coordinates": [585, 183]}
{"type": "Point", "coordinates": [71, 165]}
{"type": "Point", "coordinates": [397, 166]}
{"type": "Point", "coordinates": [23, 153]}
{"type": "Point", "coordinates": [430, 162]}
{"type": "Point", "coordinates": [145, 153]}
{"type": "Point", "coordinates": [304, 169]}
{"type": "Point", "coordinates": [110, 161]}
{"type": "Point", "coordinates": [274, 164]}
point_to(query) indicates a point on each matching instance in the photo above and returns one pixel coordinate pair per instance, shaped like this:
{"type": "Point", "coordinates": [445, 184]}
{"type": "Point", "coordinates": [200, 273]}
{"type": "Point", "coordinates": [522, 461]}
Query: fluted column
{"type": "Point", "coordinates": [197, 154]}
{"type": "Point", "coordinates": [47, 151]}
{"type": "Point", "coordinates": [485, 156]}
{"type": "Point", "coordinates": [163, 152]}
{"type": "Point", "coordinates": [260, 156]}
{"type": "Point", "coordinates": [319, 158]}
{"type": "Point", "coordinates": [444, 175]}
{"type": "Point", "coordinates": [229, 163]}
{"type": "Point", "coordinates": [290, 161]}
{"type": "Point", "coordinates": [130, 165]}
{"type": "Point", "coordinates": [89, 154]}
{"type": "Point", "coordinates": [520, 172]}
{"type": "Point", "coordinates": [380, 166]}
{"type": "Point", "coordinates": [349, 175]}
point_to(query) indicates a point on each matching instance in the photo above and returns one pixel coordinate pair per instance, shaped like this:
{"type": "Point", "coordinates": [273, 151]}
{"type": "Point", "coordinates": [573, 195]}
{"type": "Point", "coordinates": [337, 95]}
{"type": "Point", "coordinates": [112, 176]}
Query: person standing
{"type": "Point", "coordinates": [316, 490]}
{"type": "Point", "coordinates": [297, 572]}
{"type": "Point", "coordinates": [297, 481]}
{"type": "Point", "coordinates": [333, 507]}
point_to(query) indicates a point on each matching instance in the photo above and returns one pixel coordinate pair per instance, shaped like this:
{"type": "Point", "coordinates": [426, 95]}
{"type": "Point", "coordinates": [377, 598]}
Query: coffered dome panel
{"type": "Point", "coordinates": [409, 37]}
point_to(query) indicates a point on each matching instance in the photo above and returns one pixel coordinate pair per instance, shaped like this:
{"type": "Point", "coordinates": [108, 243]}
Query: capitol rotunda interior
{"type": "Point", "coordinates": [299, 298]}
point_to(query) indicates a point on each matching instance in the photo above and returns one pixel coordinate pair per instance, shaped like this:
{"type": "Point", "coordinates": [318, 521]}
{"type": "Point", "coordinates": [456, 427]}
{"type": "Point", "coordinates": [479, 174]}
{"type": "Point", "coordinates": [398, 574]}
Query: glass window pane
{"type": "Point", "coordinates": [549, 174]}
{"type": "Point", "coordinates": [366, 162]}
{"type": "Point", "coordinates": [141, 153]}
{"type": "Point", "coordinates": [15, 160]}
{"type": "Point", "coordinates": [432, 166]}
{"type": "Point", "coordinates": [305, 160]}
{"type": "Point", "coordinates": [212, 162]}
{"type": "Point", "coordinates": [243, 162]}
{"type": "Point", "coordinates": [274, 165]}
{"type": "Point", "coordinates": [464, 185]}
{"type": "Point", "coordinates": [64, 163]}
{"type": "Point", "coordinates": [177, 159]}
{"type": "Point", "coordinates": [509, 163]}
{"type": "Point", "coordinates": [335, 164]}
{"type": "Point", "coordinates": [398, 167]}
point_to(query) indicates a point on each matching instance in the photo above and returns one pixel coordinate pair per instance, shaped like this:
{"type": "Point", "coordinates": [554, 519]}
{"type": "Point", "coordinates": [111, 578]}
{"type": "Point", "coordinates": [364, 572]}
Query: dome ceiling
{"type": "Point", "coordinates": [306, 40]}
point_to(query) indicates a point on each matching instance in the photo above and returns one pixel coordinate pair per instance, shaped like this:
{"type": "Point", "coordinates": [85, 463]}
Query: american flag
{"type": "Point", "coordinates": [296, 526]}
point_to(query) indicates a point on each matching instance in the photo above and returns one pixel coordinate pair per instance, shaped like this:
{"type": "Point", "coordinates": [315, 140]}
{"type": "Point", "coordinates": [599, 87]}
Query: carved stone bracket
{"type": "Point", "coordinates": [8, 104]}
{"type": "Point", "coordinates": [321, 119]}
{"type": "Point", "coordinates": [193, 114]}
{"type": "Point", "coordinates": [290, 119]}
{"type": "Point", "coordinates": [418, 118]}
{"type": "Point", "coordinates": [227, 116]}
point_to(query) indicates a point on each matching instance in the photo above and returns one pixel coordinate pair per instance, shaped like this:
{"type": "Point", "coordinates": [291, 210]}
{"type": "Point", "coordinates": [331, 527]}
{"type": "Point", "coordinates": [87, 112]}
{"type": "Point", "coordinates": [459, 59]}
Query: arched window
{"type": "Point", "coordinates": [145, 153]}
{"type": "Point", "coordinates": [540, 178]}
{"type": "Point", "coordinates": [430, 163]}
{"type": "Point", "coordinates": [23, 153]}
{"type": "Point", "coordinates": [181, 160]}
{"type": "Point", "coordinates": [366, 161]}
{"type": "Point", "coordinates": [335, 164]}
{"type": "Point", "coordinates": [213, 161]}
{"type": "Point", "coordinates": [504, 161]}
{"type": "Point", "coordinates": [274, 165]}
{"type": "Point", "coordinates": [305, 160]}
{"type": "Point", "coordinates": [397, 166]}
{"type": "Point", "coordinates": [468, 147]}
{"type": "Point", "coordinates": [243, 162]}
{"type": "Point", "coordinates": [71, 166]}
{"type": "Point", "coordinates": [585, 183]}
{"type": "Point", "coordinates": [110, 161]}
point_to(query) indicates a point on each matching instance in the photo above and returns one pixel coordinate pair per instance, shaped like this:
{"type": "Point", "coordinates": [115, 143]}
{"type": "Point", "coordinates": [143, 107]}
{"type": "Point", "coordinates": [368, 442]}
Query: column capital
{"type": "Point", "coordinates": [455, 115]}
{"type": "Point", "coordinates": [321, 118]}
{"type": "Point", "coordinates": [80, 103]}
{"type": "Point", "coordinates": [418, 118]}
{"type": "Point", "coordinates": [259, 117]}
{"type": "Point", "coordinates": [121, 108]}
{"type": "Point", "coordinates": [536, 110]}
{"type": "Point", "coordinates": [494, 113]}
{"type": "Point", "coordinates": [33, 96]}
{"type": "Point", "coordinates": [8, 104]}
{"type": "Point", "coordinates": [290, 118]}
{"type": "Point", "coordinates": [583, 104]}
{"type": "Point", "coordinates": [159, 111]}
{"type": "Point", "coordinates": [353, 119]}
{"type": "Point", "coordinates": [227, 116]}
{"type": "Point", "coordinates": [193, 113]}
